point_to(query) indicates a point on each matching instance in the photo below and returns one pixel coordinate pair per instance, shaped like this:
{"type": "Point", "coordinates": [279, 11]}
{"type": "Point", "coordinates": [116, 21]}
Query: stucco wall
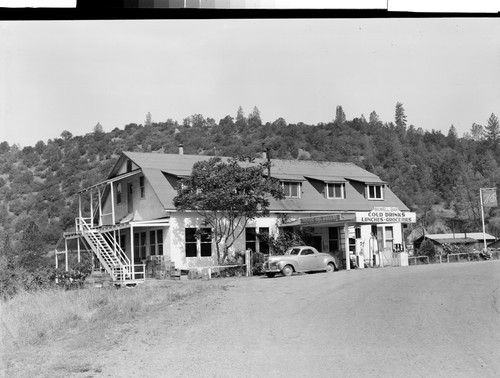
{"type": "Point", "coordinates": [176, 238]}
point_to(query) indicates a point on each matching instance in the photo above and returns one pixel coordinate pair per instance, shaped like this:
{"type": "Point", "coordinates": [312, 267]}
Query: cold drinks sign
{"type": "Point", "coordinates": [386, 215]}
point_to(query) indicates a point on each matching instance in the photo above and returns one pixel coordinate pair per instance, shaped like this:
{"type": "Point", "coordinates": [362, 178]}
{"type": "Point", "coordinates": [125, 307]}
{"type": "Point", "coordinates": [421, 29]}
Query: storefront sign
{"type": "Point", "coordinates": [386, 215]}
{"type": "Point", "coordinates": [321, 219]}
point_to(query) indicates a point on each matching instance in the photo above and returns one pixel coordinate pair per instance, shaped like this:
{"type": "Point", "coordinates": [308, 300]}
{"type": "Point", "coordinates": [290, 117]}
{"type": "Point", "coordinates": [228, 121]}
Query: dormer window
{"type": "Point", "coordinates": [291, 189]}
{"type": "Point", "coordinates": [375, 192]}
{"type": "Point", "coordinates": [129, 165]}
{"type": "Point", "coordinates": [335, 190]}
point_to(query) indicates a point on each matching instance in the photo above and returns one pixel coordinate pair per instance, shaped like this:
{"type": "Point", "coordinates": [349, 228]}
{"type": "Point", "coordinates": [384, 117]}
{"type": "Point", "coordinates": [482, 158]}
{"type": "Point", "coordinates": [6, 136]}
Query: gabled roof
{"type": "Point", "coordinates": [161, 170]}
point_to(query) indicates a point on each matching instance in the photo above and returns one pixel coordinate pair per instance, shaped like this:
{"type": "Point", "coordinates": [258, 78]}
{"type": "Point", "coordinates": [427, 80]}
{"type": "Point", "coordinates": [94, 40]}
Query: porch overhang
{"type": "Point", "coordinates": [339, 219]}
{"type": "Point", "coordinates": [111, 180]}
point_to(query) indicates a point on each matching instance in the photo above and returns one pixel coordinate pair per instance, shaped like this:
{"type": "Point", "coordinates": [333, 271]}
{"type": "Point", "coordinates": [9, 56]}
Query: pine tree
{"type": "Point", "coordinates": [339, 115]}
{"type": "Point", "coordinates": [493, 128]}
{"type": "Point", "coordinates": [400, 115]}
{"type": "Point", "coordinates": [254, 119]}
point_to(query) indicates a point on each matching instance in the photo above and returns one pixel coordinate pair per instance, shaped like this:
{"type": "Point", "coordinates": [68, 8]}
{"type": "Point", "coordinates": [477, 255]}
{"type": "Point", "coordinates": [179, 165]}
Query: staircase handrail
{"type": "Point", "coordinates": [117, 248]}
{"type": "Point", "coordinates": [90, 234]}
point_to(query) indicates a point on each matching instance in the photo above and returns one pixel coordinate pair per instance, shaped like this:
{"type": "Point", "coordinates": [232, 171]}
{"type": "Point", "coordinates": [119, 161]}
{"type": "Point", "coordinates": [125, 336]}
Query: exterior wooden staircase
{"type": "Point", "coordinates": [109, 253]}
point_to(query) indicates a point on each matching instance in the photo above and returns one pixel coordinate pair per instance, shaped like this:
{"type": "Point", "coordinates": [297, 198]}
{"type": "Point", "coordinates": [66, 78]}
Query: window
{"type": "Point", "coordinates": [306, 252]}
{"type": "Point", "coordinates": [251, 238]}
{"type": "Point", "coordinates": [375, 192]}
{"type": "Point", "coordinates": [257, 242]}
{"type": "Point", "coordinates": [291, 189]}
{"type": "Point", "coordinates": [119, 193]}
{"type": "Point", "coordinates": [206, 242]}
{"type": "Point", "coordinates": [198, 242]}
{"type": "Point", "coordinates": [129, 165]}
{"type": "Point", "coordinates": [335, 190]}
{"type": "Point", "coordinates": [141, 185]}
{"type": "Point", "coordinates": [191, 242]}
{"type": "Point", "coordinates": [156, 242]}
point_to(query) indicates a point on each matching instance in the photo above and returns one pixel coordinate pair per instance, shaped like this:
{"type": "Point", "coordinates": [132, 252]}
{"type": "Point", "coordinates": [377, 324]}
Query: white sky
{"type": "Point", "coordinates": [69, 75]}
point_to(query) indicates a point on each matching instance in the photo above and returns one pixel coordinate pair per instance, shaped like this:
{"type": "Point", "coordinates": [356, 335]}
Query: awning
{"type": "Point", "coordinates": [323, 220]}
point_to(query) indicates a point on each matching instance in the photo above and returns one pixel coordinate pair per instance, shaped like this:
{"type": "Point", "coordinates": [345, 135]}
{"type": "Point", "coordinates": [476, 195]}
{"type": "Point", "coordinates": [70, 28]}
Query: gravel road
{"type": "Point", "coordinates": [424, 321]}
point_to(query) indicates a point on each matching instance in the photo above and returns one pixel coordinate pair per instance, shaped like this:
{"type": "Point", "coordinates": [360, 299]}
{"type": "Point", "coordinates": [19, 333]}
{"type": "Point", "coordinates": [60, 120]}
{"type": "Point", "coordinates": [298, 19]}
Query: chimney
{"type": "Point", "coordinates": [181, 149]}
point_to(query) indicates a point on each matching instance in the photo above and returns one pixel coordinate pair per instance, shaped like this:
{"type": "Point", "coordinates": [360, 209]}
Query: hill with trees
{"type": "Point", "coordinates": [436, 175]}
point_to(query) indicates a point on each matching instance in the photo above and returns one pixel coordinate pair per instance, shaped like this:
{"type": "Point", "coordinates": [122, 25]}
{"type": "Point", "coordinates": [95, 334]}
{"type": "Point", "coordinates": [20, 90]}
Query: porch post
{"type": "Point", "coordinates": [66, 253]}
{"type": "Point", "coordinates": [346, 242]}
{"type": "Point", "coordinates": [80, 205]}
{"type": "Point", "coordinates": [99, 204]}
{"type": "Point", "coordinates": [132, 250]}
{"type": "Point", "coordinates": [112, 203]}
{"type": "Point", "coordinates": [78, 249]}
{"type": "Point", "coordinates": [91, 209]}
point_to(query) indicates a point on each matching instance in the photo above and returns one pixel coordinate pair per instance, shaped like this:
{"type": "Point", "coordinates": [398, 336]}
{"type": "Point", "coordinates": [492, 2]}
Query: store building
{"type": "Point", "coordinates": [131, 218]}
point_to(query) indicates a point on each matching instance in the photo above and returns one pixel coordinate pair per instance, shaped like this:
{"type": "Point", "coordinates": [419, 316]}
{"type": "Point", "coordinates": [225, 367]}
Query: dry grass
{"type": "Point", "coordinates": [32, 320]}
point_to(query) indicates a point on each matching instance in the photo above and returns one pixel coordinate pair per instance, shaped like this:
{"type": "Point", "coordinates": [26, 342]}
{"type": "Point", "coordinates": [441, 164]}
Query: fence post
{"type": "Point", "coordinates": [248, 262]}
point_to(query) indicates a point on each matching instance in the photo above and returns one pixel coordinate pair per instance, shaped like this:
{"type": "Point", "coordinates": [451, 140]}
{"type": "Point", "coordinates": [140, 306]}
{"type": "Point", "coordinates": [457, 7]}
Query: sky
{"type": "Point", "coordinates": [70, 75]}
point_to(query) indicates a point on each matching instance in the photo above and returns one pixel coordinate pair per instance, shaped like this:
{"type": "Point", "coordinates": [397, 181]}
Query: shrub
{"type": "Point", "coordinates": [427, 248]}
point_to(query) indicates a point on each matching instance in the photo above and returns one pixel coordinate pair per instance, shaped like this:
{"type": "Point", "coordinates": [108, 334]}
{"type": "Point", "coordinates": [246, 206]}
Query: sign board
{"type": "Point", "coordinates": [489, 197]}
{"type": "Point", "coordinates": [321, 219]}
{"type": "Point", "coordinates": [386, 215]}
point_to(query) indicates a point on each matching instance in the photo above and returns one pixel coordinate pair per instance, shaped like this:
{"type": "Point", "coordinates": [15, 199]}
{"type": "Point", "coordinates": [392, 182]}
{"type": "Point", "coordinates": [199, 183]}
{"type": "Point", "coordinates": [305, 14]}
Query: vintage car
{"type": "Point", "coordinates": [300, 259]}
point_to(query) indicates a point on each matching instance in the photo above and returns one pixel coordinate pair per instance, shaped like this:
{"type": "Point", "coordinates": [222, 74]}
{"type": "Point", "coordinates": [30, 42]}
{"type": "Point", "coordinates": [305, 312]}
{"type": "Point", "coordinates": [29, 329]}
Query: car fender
{"type": "Point", "coordinates": [329, 259]}
{"type": "Point", "coordinates": [293, 263]}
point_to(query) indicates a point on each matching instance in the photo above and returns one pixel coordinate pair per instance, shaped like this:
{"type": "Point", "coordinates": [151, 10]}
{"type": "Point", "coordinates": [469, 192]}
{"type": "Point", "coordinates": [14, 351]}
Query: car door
{"type": "Point", "coordinates": [307, 260]}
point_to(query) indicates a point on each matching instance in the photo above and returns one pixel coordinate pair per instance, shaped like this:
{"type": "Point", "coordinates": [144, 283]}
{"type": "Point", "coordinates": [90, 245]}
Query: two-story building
{"type": "Point", "coordinates": [131, 217]}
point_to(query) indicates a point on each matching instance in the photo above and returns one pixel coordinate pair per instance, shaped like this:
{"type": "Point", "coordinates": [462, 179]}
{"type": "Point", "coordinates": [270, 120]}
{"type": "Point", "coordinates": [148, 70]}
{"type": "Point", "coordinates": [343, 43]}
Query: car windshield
{"type": "Point", "coordinates": [293, 251]}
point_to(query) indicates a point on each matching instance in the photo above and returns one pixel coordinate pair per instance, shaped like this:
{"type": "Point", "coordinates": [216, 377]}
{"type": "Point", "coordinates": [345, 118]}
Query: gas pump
{"type": "Point", "coordinates": [360, 253]}
{"type": "Point", "coordinates": [373, 250]}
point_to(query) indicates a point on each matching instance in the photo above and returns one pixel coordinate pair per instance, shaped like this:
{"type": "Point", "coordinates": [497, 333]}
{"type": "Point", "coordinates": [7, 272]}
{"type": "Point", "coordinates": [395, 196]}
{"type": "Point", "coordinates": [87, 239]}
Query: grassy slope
{"type": "Point", "coordinates": [58, 333]}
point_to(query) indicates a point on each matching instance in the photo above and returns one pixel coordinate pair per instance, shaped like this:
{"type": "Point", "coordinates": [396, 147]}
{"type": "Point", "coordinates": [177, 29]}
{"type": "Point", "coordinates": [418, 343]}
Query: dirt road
{"type": "Point", "coordinates": [425, 321]}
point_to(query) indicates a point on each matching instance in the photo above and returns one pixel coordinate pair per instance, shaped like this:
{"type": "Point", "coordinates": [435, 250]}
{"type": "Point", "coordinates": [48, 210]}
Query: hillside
{"type": "Point", "coordinates": [437, 175]}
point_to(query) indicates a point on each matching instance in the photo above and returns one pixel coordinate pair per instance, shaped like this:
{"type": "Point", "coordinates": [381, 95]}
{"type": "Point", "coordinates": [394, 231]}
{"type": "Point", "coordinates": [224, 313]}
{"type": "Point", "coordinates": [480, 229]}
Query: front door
{"type": "Point", "coordinates": [130, 196]}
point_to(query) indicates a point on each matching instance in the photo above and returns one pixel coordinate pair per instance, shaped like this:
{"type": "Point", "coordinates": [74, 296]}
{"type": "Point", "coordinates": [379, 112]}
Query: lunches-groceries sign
{"type": "Point", "coordinates": [386, 215]}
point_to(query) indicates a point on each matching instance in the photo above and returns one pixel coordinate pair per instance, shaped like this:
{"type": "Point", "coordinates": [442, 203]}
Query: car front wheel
{"type": "Point", "coordinates": [287, 270]}
{"type": "Point", "coordinates": [330, 268]}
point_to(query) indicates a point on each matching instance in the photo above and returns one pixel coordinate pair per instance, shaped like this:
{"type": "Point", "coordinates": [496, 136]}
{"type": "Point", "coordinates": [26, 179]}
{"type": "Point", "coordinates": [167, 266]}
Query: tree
{"type": "Point", "coordinates": [477, 132]}
{"type": "Point", "coordinates": [400, 117]}
{"type": "Point", "coordinates": [452, 136]}
{"type": "Point", "coordinates": [374, 119]}
{"type": "Point", "coordinates": [148, 121]}
{"type": "Point", "coordinates": [227, 195]}
{"type": "Point", "coordinates": [241, 121]}
{"type": "Point", "coordinates": [254, 119]}
{"type": "Point", "coordinates": [339, 116]}
{"type": "Point", "coordinates": [493, 129]}
{"type": "Point", "coordinates": [98, 128]}
{"type": "Point", "coordinates": [66, 135]}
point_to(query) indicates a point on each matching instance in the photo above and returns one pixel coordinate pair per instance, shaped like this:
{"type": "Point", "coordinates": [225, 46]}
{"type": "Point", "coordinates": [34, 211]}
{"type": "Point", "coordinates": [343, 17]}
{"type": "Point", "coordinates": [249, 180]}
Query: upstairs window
{"type": "Point", "coordinates": [119, 193]}
{"type": "Point", "coordinates": [335, 190]}
{"type": "Point", "coordinates": [141, 185]}
{"type": "Point", "coordinates": [291, 189]}
{"type": "Point", "coordinates": [129, 165]}
{"type": "Point", "coordinates": [375, 192]}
